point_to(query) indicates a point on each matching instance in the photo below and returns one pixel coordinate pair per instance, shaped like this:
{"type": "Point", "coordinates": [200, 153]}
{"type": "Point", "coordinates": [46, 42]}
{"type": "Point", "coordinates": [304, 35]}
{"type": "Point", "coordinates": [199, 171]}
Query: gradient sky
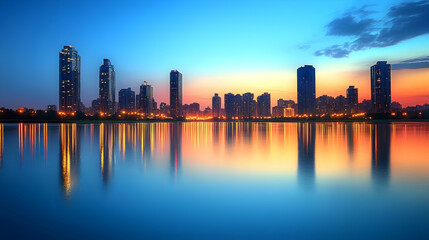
{"type": "Point", "coordinates": [219, 46]}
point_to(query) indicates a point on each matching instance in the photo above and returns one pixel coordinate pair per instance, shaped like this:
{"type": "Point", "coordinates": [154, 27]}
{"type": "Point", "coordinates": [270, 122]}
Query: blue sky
{"type": "Point", "coordinates": [219, 46]}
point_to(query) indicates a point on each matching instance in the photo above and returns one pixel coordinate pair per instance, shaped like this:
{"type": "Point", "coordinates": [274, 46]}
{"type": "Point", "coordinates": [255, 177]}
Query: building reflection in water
{"type": "Point", "coordinates": [1, 144]}
{"type": "Point", "coordinates": [350, 140]}
{"type": "Point", "coordinates": [69, 156]}
{"type": "Point", "coordinates": [175, 148]}
{"type": "Point", "coordinates": [107, 150]}
{"type": "Point", "coordinates": [147, 141]}
{"type": "Point", "coordinates": [306, 152]}
{"type": "Point", "coordinates": [380, 151]}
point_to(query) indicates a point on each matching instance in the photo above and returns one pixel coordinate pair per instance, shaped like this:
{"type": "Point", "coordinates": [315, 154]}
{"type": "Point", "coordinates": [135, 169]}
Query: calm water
{"type": "Point", "coordinates": [214, 180]}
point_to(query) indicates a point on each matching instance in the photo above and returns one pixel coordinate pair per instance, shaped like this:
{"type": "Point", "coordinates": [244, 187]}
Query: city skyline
{"type": "Point", "coordinates": [219, 60]}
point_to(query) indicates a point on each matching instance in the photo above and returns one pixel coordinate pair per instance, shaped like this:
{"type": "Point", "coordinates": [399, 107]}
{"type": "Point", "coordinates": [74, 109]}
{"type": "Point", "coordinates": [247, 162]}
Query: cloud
{"type": "Point", "coordinates": [415, 63]}
{"type": "Point", "coordinates": [349, 25]}
{"type": "Point", "coordinates": [403, 21]}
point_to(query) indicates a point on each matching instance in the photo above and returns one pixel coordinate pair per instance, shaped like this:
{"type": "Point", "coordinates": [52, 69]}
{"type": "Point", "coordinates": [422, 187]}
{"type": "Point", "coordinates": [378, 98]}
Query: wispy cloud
{"type": "Point", "coordinates": [403, 21]}
{"type": "Point", "coordinates": [415, 63]}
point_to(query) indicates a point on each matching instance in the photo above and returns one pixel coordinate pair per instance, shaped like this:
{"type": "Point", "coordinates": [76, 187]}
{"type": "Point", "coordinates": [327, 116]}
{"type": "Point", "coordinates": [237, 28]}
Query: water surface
{"type": "Point", "coordinates": [214, 180]}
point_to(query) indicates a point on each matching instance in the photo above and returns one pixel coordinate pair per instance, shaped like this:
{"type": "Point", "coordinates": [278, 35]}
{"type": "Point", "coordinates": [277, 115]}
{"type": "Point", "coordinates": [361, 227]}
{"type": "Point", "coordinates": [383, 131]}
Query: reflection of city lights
{"type": "Point", "coordinates": [69, 154]}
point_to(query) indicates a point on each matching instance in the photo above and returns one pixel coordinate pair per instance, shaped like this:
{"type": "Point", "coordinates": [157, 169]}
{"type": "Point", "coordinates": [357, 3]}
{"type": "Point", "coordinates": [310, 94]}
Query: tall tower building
{"type": "Point", "coordinates": [69, 80]}
{"type": "Point", "coordinates": [146, 99]}
{"type": "Point", "coordinates": [175, 94]}
{"type": "Point", "coordinates": [127, 100]}
{"type": "Point", "coordinates": [352, 100]}
{"type": "Point", "coordinates": [264, 105]}
{"type": "Point", "coordinates": [216, 106]}
{"type": "Point", "coordinates": [306, 90]}
{"type": "Point", "coordinates": [229, 105]}
{"type": "Point", "coordinates": [107, 87]}
{"type": "Point", "coordinates": [247, 108]}
{"type": "Point", "coordinates": [238, 106]}
{"type": "Point", "coordinates": [380, 87]}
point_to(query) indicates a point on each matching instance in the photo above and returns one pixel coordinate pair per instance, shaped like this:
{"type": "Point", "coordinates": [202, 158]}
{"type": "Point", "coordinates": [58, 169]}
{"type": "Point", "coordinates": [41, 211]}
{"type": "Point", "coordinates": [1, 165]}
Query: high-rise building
{"type": "Point", "coordinates": [175, 94]}
{"type": "Point", "coordinates": [216, 106]}
{"type": "Point", "coordinates": [238, 106]}
{"type": "Point", "coordinates": [306, 77]}
{"type": "Point", "coordinates": [352, 100]}
{"type": "Point", "coordinates": [146, 98]}
{"type": "Point", "coordinates": [107, 87]}
{"type": "Point", "coordinates": [380, 87]}
{"type": "Point", "coordinates": [127, 100]}
{"type": "Point", "coordinates": [247, 108]}
{"type": "Point", "coordinates": [69, 80]}
{"type": "Point", "coordinates": [264, 105]}
{"type": "Point", "coordinates": [253, 108]}
{"type": "Point", "coordinates": [229, 105]}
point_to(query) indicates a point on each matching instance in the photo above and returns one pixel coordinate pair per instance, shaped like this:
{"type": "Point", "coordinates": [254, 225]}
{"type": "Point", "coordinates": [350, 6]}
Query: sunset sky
{"type": "Point", "coordinates": [220, 46]}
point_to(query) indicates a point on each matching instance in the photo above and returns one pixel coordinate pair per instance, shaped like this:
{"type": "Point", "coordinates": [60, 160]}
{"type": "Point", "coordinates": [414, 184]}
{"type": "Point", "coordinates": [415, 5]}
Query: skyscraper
{"type": "Point", "coordinates": [238, 106]}
{"type": "Point", "coordinates": [264, 105]}
{"type": "Point", "coordinates": [69, 80]}
{"type": "Point", "coordinates": [216, 106]}
{"type": "Point", "coordinates": [146, 98]}
{"type": "Point", "coordinates": [380, 87]}
{"type": "Point", "coordinates": [175, 94]}
{"type": "Point", "coordinates": [107, 87]}
{"type": "Point", "coordinates": [352, 100]}
{"type": "Point", "coordinates": [229, 105]}
{"type": "Point", "coordinates": [306, 89]}
{"type": "Point", "coordinates": [247, 108]}
{"type": "Point", "coordinates": [127, 100]}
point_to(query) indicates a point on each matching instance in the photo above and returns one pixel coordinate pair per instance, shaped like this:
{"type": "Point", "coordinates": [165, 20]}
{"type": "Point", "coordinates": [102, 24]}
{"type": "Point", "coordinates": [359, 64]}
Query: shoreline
{"type": "Point", "coordinates": [5, 121]}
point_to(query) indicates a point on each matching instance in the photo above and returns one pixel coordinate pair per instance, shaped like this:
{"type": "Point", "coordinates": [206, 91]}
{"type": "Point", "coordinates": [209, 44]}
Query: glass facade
{"type": "Point", "coordinates": [306, 90]}
{"type": "Point", "coordinates": [175, 94]}
{"type": "Point", "coordinates": [380, 87]}
{"type": "Point", "coordinates": [107, 87]}
{"type": "Point", "coordinates": [69, 80]}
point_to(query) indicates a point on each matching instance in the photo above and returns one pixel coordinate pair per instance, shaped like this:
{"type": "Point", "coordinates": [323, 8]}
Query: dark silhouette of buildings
{"type": "Point", "coordinates": [229, 105]}
{"type": "Point", "coordinates": [69, 80]}
{"type": "Point", "coordinates": [395, 107]}
{"type": "Point", "coordinates": [107, 88]}
{"type": "Point", "coordinates": [146, 99]}
{"type": "Point", "coordinates": [175, 94]}
{"type": "Point", "coordinates": [264, 105]}
{"type": "Point", "coordinates": [238, 105]}
{"type": "Point", "coordinates": [306, 77]}
{"type": "Point", "coordinates": [52, 108]}
{"type": "Point", "coordinates": [216, 106]}
{"type": "Point", "coordinates": [352, 100]}
{"type": "Point", "coordinates": [380, 87]}
{"type": "Point", "coordinates": [164, 109]}
{"type": "Point", "coordinates": [192, 110]}
{"type": "Point", "coordinates": [340, 104]}
{"type": "Point", "coordinates": [325, 105]}
{"type": "Point", "coordinates": [306, 153]}
{"type": "Point", "coordinates": [365, 106]}
{"type": "Point", "coordinates": [127, 100]}
{"type": "Point", "coordinates": [248, 106]}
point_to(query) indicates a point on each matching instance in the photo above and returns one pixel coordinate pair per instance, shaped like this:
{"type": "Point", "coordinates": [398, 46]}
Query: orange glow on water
{"type": "Point", "coordinates": [382, 152]}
